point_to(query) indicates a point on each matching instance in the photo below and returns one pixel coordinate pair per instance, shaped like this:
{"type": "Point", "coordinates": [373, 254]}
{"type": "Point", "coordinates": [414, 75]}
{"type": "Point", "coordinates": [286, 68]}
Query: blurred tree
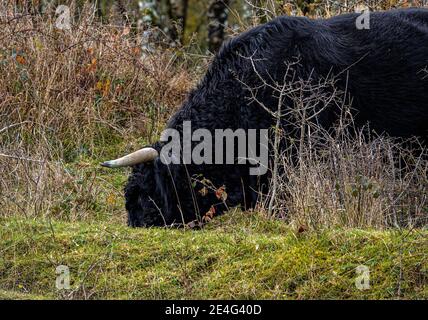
{"type": "Point", "coordinates": [218, 13]}
{"type": "Point", "coordinates": [177, 12]}
{"type": "Point", "coordinates": [122, 9]}
{"type": "Point", "coordinates": [257, 12]}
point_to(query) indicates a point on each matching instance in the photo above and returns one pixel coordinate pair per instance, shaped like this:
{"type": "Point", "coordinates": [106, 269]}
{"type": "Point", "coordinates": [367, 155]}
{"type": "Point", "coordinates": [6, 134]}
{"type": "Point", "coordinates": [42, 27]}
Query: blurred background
{"type": "Point", "coordinates": [202, 23]}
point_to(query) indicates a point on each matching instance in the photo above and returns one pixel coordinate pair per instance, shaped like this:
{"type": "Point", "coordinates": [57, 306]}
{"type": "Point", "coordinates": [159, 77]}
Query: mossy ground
{"type": "Point", "coordinates": [237, 256]}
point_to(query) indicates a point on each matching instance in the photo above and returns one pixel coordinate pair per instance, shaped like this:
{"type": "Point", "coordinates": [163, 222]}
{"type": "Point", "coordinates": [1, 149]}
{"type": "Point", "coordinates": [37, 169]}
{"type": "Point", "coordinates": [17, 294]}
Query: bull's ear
{"type": "Point", "coordinates": [137, 157]}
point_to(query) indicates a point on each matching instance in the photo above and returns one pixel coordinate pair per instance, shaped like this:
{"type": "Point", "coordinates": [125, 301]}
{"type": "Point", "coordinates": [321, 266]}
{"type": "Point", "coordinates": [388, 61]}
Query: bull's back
{"type": "Point", "coordinates": [388, 74]}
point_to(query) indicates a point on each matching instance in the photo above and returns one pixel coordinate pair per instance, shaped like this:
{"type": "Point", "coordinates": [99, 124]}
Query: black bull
{"type": "Point", "coordinates": [383, 69]}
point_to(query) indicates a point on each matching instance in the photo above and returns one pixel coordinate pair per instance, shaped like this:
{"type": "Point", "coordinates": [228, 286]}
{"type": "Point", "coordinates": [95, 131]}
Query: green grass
{"type": "Point", "coordinates": [237, 256]}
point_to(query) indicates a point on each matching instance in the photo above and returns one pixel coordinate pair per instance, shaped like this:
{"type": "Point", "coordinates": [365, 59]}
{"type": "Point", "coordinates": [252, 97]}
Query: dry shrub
{"type": "Point", "coordinates": [69, 98]}
{"type": "Point", "coordinates": [342, 176]}
{"type": "Point", "coordinates": [75, 84]}
{"type": "Point", "coordinates": [353, 180]}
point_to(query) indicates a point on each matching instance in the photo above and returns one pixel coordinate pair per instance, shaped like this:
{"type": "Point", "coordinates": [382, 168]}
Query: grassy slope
{"type": "Point", "coordinates": [237, 256]}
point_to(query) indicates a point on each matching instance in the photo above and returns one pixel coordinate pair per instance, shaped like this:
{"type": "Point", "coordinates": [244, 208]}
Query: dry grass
{"type": "Point", "coordinates": [357, 181]}
{"type": "Point", "coordinates": [70, 98]}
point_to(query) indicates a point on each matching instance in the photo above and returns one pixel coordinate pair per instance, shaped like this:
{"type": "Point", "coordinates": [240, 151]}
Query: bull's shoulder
{"type": "Point", "coordinates": [420, 14]}
{"type": "Point", "coordinates": [412, 20]}
{"type": "Point", "coordinates": [279, 34]}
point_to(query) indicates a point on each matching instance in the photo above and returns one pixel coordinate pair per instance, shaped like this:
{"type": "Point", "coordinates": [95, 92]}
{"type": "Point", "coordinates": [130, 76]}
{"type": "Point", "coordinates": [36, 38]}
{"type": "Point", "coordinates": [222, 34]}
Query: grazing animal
{"type": "Point", "coordinates": [381, 69]}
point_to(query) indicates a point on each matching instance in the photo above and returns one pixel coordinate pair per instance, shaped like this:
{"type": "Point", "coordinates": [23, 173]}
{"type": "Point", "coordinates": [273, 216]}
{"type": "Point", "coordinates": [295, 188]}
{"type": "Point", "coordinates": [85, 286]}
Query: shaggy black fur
{"type": "Point", "coordinates": [380, 68]}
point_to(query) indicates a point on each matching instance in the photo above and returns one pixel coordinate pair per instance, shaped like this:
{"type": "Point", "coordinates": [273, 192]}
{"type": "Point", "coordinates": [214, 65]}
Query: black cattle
{"type": "Point", "coordinates": [381, 69]}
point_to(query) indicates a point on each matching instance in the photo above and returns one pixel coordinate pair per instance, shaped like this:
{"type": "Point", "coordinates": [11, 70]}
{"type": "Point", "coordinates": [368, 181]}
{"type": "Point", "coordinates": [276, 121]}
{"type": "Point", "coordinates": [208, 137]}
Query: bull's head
{"type": "Point", "coordinates": [147, 190]}
{"type": "Point", "coordinates": [158, 194]}
{"type": "Point", "coordinates": [151, 192]}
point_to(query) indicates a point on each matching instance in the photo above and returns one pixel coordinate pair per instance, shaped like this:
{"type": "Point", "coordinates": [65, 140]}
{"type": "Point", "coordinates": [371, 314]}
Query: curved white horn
{"type": "Point", "coordinates": [140, 156]}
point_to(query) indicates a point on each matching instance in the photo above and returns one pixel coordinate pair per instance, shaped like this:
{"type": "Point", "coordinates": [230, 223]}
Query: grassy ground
{"type": "Point", "coordinates": [238, 256]}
